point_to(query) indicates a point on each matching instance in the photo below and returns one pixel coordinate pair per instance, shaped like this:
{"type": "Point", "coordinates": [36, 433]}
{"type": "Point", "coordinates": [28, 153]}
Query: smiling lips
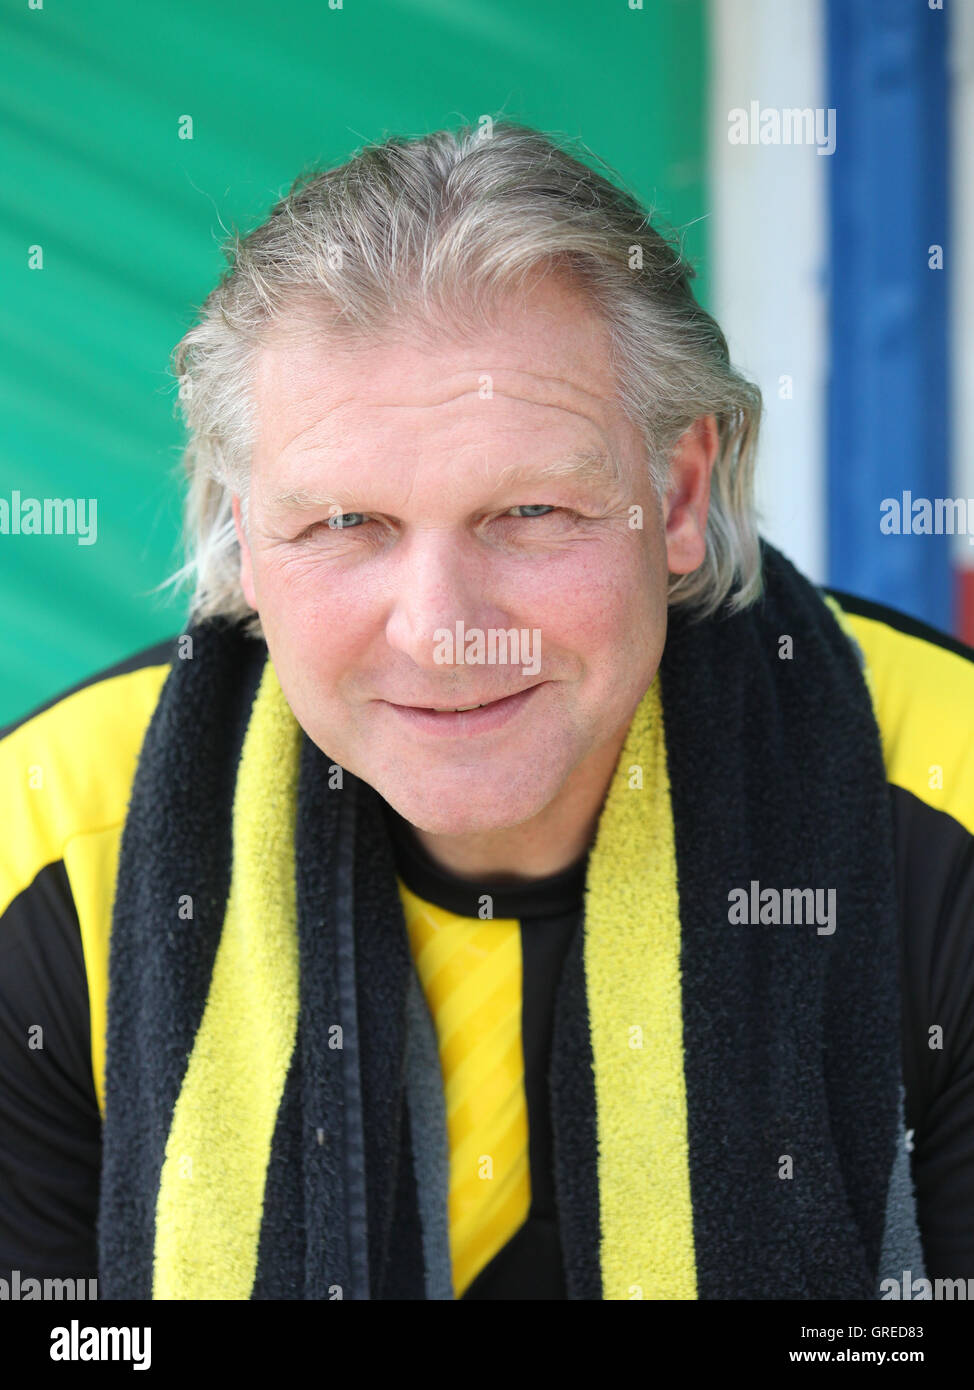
{"type": "Point", "coordinates": [468, 720]}
{"type": "Point", "coordinates": [461, 709]}
{"type": "Point", "coordinates": [453, 709]}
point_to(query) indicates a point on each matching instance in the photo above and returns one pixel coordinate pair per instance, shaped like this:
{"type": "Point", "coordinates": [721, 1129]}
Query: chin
{"type": "Point", "coordinates": [463, 811]}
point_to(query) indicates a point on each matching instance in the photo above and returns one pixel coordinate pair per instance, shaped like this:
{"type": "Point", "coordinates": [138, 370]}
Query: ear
{"type": "Point", "coordinates": [246, 566]}
{"type": "Point", "coordinates": [687, 499]}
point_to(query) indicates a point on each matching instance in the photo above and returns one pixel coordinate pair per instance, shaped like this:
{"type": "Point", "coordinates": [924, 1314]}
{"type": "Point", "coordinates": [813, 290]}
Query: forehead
{"type": "Point", "coordinates": [543, 358]}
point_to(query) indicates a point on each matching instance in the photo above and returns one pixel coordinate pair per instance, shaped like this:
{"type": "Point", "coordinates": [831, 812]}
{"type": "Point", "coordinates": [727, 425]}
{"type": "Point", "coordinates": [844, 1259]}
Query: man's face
{"type": "Point", "coordinates": [440, 461]}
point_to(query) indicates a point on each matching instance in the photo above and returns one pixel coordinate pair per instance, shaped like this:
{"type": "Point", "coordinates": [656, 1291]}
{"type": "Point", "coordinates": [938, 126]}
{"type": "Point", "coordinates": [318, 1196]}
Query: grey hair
{"type": "Point", "coordinates": [428, 233]}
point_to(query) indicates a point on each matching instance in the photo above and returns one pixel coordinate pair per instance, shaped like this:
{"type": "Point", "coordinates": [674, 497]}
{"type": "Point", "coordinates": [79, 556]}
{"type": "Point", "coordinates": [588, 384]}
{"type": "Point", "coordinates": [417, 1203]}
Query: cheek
{"type": "Point", "coordinates": [313, 626]}
{"type": "Point", "coordinates": [300, 596]}
{"type": "Point", "coordinates": [606, 594]}
{"type": "Point", "coordinates": [618, 621]}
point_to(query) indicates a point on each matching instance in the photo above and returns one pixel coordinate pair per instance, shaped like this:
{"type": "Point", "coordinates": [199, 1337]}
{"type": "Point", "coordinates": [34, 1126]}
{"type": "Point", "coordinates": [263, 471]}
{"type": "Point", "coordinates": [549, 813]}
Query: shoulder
{"type": "Point", "coordinates": [66, 768]}
{"type": "Point", "coordinates": [922, 685]}
{"type": "Point", "coordinates": [66, 771]}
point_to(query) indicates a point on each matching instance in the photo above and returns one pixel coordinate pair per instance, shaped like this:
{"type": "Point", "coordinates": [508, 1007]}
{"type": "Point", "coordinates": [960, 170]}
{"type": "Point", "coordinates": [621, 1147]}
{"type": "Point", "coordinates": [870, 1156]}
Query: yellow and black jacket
{"type": "Point", "coordinates": [521, 1222]}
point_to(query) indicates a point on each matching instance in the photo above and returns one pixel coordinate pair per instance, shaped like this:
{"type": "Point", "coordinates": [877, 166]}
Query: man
{"type": "Point", "coordinates": [530, 885]}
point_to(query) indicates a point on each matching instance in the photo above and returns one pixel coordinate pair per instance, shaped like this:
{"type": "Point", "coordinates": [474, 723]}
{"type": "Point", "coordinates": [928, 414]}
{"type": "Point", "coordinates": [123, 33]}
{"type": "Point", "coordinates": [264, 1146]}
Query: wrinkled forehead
{"type": "Point", "coordinates": [544, 362]}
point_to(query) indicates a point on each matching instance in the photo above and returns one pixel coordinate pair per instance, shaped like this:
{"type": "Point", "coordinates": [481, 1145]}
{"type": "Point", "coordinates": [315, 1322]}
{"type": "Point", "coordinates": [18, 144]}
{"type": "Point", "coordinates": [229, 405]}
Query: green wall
{"type": "Point", "coordinates": [130, 218]}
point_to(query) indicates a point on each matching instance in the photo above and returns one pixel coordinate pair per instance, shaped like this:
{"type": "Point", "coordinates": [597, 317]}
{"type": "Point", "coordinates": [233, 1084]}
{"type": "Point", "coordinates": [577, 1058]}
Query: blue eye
{"type": "Point", "coordinates": [354, 521]}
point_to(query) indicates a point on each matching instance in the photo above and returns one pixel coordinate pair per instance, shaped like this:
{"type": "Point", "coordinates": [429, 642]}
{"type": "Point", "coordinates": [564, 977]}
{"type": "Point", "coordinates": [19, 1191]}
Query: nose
{"type": "Point", "coordinates": [440, 580]}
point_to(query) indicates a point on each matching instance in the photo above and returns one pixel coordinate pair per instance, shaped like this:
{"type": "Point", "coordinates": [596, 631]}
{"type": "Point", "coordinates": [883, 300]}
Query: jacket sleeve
{"type": "Point", "coordinates": [66, 771]}
{"type": "Point", "coordinates": [936, 870]}
{"type": "Point", "coordinates": [50, 1125]}
{"type": "Point", "coordinates": [922, 684]}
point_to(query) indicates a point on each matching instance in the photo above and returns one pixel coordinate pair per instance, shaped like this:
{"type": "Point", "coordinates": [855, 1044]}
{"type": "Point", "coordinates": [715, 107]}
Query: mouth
{"type": "Point", "coordinates": [467, 718]}
{"type": "Point", "coordinates": [460, 709]}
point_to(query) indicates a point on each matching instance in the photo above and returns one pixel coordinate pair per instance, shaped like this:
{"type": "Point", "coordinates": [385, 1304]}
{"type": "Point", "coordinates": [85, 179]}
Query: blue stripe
{"type": "Point", "coordinates": [888, 429]}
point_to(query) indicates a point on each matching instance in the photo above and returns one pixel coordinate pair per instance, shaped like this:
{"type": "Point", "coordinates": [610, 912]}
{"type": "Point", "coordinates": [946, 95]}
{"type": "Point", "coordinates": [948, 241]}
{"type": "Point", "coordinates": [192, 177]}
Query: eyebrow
{"type": "Point", "coordinates": [580, 466]}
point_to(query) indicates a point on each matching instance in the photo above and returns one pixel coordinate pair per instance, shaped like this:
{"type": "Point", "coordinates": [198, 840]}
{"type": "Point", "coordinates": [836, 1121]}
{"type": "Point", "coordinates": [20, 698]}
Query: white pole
{"type": "Point", "coordinates": [769, 243]}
